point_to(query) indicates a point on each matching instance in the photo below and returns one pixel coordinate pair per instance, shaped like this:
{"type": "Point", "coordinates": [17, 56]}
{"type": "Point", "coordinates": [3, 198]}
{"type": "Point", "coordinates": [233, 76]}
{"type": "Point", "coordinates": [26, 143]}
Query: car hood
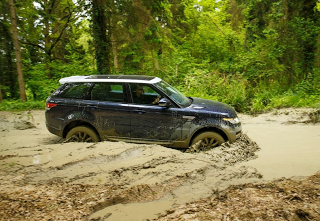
{"type": "Point", "coordinates": [214, 107]}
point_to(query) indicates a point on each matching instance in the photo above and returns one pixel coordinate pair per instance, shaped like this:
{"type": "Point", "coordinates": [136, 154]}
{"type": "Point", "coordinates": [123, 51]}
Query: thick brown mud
{"type": "Point", "coordinates": [47, 179]}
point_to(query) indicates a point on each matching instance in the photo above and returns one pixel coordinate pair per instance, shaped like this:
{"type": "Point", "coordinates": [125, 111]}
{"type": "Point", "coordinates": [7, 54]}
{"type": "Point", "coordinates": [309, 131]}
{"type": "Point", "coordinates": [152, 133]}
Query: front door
{"type": "Point", "coordinates": [149, 122]}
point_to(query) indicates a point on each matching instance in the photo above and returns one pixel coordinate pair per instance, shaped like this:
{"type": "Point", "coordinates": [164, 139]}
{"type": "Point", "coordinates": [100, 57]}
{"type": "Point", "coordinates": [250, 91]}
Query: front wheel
{"type": "Point", "coordinates": [82, 134]}
{"type": "Point", "coordinates": [208, 140]}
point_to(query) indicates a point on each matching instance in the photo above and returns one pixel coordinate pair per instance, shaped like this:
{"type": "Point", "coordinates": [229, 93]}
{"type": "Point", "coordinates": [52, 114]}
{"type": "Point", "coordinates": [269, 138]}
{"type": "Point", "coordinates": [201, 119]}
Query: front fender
{"type": "Point", "coordinates": [200, 125]}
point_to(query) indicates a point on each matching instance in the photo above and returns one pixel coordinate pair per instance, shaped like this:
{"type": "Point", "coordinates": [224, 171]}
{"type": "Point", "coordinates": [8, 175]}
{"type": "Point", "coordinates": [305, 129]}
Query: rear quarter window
{"type": "Point", "coordinates": [59, 91]}
{"type": "Point", "coordinates": [75, 90]}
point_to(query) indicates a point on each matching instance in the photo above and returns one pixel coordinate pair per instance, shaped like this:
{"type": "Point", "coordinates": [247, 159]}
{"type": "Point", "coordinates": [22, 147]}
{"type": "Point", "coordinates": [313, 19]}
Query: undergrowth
{"type": "Point", "coordinates": [247, 96]}
{"type": "Point", "coordinates": [18, 105]}
{"type": "Point", "coordinates": [243, 94]}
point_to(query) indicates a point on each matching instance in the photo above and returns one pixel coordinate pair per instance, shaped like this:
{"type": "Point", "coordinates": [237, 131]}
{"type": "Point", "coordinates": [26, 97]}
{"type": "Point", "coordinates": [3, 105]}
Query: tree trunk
{"type": "Point", "coordinates": [113, 35]}
{"type": "Point", "coordinates": [23, 96]}
{"type": "Point", "coordinates": [101, 41]}
{"type": "Point", "coordinates": [115, 52]}
{"type": "Point", "coordinates": [46, 46]}
{"type": "Point", "coordinates": [47, 39]}
{"type": "Point", "coordinates": [9, 75]}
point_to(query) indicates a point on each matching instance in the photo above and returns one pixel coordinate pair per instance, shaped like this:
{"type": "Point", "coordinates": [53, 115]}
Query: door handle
{"type": "Point", "coordinates": [92, 107]}
{"type": "Point", "coordinates": [139, 111]}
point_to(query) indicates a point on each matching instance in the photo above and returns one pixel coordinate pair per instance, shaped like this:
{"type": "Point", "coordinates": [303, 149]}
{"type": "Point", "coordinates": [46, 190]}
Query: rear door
{"type": "Point", "coordinates": [109, 107]}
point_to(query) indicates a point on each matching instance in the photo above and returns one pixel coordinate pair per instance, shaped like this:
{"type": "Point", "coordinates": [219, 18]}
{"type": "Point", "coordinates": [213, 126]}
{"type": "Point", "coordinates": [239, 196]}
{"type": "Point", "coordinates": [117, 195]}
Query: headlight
{"type": "Point", "coordinates": [232, 120]}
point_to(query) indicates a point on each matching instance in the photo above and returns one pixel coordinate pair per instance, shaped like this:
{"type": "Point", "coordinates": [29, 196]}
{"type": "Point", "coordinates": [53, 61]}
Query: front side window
{"type": "Point", "coordinates": [112, 92]}
{"type": "Point", "coordinates": [76, 90]}
{"type": "Point", "coordinates": [144, 94]}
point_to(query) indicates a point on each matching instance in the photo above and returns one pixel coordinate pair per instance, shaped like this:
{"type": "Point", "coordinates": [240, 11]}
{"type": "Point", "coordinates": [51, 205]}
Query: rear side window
{"type": "Point", "coordinates": [76, 90]}
{"type": "Point", "coordinates": [112, 92]}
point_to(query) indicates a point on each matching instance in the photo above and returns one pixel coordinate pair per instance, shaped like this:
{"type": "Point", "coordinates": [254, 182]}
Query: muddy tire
{"type": "Point", "coordinates": [82, 134]}
{"type": "Point", "coordinates": [208, 140]}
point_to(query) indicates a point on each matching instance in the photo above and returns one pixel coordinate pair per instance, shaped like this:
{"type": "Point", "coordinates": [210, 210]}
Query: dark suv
{"type": "Point", "coordinates": [140, 109]}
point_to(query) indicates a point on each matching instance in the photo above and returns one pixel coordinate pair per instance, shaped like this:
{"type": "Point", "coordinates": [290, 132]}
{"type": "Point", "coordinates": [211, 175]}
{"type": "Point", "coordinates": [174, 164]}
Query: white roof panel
{"type": "Point", "coordinates": [111, 78]}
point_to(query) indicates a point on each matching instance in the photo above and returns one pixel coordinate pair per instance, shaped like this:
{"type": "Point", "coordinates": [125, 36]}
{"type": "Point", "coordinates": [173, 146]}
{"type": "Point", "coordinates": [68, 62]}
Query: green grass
{"type": "Point", "coordinates": [18, 105]}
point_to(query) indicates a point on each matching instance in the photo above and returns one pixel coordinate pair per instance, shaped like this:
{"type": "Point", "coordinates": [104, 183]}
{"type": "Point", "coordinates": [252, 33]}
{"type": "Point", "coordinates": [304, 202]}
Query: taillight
{"type": "Point", "coordinates": [50, 105]}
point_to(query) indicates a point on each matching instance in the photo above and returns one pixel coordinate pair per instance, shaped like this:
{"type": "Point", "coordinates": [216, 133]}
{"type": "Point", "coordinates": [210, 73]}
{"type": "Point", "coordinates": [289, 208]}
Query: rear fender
{"type": "Point", "coordinates": [76, 119]}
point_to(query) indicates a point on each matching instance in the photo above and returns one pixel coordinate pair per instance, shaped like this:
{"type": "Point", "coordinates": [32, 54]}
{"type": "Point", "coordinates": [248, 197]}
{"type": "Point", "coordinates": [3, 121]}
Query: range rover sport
{"type": "Point", "coordinates": [140, 109]}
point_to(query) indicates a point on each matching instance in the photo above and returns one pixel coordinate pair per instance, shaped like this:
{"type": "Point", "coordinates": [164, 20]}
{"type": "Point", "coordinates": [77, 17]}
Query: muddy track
{"type": "Point", "coordinates": [135, 173]}
{"type": "Point", "coordinates": [284, 199]}
{"type": "Point", "coordinates": [45, 177]}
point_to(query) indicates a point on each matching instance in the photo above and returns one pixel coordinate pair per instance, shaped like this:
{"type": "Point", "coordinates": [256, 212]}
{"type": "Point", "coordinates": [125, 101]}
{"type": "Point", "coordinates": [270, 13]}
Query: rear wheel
{"type": "Point", "coordinates": [208, 140]}
{"type": "Point", "coordinates": [82, 134]}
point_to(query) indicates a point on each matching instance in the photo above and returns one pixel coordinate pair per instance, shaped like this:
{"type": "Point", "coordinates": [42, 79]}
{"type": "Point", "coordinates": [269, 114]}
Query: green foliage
{"type": "Point", "coordinates": [262, 99]}
{"type": "Point", "coordinates": [227, 89]}
{"type": "Point", "coordinates": [254, 55]}
{"type": "Point", "coordinates": [304, 94]}
{"type": "Point", "coordinates": [39, 87]}
{"type": "Point", "coordinates": [289, 99]}
{"type": "Point", "coordinates": [17, 105]}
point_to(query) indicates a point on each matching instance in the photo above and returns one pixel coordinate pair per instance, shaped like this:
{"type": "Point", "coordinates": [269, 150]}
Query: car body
{"type": "Point", "coordinates": [107, 107]}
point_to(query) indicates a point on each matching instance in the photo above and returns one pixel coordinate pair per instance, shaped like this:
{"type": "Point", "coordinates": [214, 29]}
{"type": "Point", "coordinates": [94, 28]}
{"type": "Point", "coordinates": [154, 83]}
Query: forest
{"type": "Point", "coordinates": [252, 54]}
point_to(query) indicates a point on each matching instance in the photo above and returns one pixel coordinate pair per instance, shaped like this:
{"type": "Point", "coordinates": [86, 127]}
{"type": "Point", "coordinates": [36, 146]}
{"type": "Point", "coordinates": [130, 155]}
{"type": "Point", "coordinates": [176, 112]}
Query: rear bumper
{"type": "Point", "coordinates": [55, 131]}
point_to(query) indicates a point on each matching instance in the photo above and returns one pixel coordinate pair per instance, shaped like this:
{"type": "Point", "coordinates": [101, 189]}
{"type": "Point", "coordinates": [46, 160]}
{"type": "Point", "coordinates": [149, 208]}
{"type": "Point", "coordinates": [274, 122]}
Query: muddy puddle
{"type": "Point", "coordinates": [121, 181]}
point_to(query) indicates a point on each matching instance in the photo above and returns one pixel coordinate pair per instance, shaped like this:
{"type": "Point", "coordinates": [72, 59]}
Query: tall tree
{"type": "Point", "coordinates": [137, 33]}
{"type": "Point", "coordinates": [52, 20]}
{"type": "Point", "coordinates": [15, 35]}
{"type": "Point", "coordinates": [8, 78]}
{"type": "Point", "coordinates": [101, 37]}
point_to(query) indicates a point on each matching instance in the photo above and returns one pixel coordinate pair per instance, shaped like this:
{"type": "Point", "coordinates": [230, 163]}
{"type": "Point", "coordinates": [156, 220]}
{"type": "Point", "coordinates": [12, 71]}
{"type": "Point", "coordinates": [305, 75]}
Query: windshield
{"type": "Point", "coordinates": [173, 93]}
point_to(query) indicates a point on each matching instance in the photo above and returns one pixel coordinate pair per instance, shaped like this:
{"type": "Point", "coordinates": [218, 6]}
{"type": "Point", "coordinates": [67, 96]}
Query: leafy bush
{"type": "Point", "coordinates": [290, 99]}
{"type": "Point", "coordinates": [215, 86]}
{"type": "Point", "coordinates": [39, 86]}
{"type": "Point", "coordinates": [17, 105]}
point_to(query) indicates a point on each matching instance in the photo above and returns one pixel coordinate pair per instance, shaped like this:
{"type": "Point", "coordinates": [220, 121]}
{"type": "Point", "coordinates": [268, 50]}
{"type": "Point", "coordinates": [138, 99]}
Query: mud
{"type": "Point", "coordinates": [47, 179]}
{"type": "Point", "coordinates": [284, 199]}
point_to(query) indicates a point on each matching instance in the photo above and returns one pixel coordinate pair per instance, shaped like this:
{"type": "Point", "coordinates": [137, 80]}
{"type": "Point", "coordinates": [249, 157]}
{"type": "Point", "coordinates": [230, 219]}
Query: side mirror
{"type": "Point", "coordinates": [164, 102]}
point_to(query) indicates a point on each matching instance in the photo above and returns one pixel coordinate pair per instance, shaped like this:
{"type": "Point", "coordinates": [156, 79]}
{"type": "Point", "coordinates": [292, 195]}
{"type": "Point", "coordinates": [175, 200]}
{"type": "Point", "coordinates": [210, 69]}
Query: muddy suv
{"type": "Point", "coordinates": [140, 109]}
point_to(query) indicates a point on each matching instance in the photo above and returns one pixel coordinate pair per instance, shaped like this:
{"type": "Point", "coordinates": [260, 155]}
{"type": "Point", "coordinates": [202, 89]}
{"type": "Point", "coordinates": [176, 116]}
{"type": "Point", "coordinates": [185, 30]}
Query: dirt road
{"type": "Point", "coordinates": [46, 179]}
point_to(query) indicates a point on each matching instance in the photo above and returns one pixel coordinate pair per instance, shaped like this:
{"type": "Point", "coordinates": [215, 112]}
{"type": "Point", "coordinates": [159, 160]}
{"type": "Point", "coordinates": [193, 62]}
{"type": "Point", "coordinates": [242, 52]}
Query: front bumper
{"type": "Point", "coordinates": [233, 132]}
